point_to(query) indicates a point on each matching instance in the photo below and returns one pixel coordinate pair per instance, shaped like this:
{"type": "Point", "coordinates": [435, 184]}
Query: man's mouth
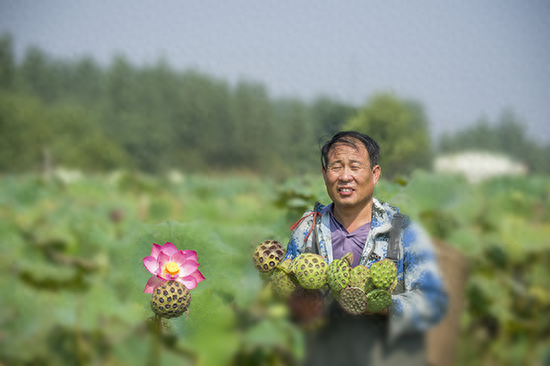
{"type": "Point", "coordinates": [345, 190]}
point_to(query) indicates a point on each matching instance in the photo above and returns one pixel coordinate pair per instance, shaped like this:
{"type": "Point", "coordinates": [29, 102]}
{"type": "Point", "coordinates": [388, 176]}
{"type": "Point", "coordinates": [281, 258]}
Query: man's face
{"type": "Point", "coordinates": [349, 178]}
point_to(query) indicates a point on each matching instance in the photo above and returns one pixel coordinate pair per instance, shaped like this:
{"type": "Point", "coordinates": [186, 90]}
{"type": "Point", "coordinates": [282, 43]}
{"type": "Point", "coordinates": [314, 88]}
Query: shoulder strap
{"type": "Point", "coordinates": [395, 234]}
{"type": "Point", "coordinates": [314, 247]}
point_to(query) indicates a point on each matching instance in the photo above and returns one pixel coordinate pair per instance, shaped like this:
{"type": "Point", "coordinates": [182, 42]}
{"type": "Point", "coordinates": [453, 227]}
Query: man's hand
{"type": "Point", "coordinates": [306, 306]}
{"type": "Point", "coordinates": [385, 312]}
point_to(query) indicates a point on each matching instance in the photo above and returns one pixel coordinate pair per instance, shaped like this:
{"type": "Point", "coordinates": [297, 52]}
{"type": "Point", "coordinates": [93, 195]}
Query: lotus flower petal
{"type": "Point", "coordinates": [151, 284]}
{"type": "Point", "coordinates": [198, 276]}
{"type": "Point", "coordinates": [190, 282]}
{"type": "Point", "coordinates": [188, 267]}
{"type": "Point", "coordinates": [155, 251]}
{"type": "Point", "coordinates": [163, 259]}
{"type": "Point", "coordinates": [169, 249]}
{"type": "Point", "coordinates": [184, 255]}
{"type": "Point", "coordinates": [190, 254]}
{"type": "Point", "coordinates": [151, 263]}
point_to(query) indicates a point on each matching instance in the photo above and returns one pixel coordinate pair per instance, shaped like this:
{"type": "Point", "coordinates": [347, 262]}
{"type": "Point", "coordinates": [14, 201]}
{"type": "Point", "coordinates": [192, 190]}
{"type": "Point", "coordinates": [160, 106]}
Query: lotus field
{"type": "Point", "coordinates": [78, 252]}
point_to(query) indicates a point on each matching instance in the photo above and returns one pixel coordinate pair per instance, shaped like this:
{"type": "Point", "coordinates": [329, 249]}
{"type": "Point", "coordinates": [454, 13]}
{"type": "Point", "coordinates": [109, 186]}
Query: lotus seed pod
{"type": "Point", "coordinates": [310, 270]}
{"type": "Point", "coordinates": [267, 255]}
{"type": "Point", "coordinates": [170, 299]}
{"type": "Point", "coordinates": [359, 276]}
{"type": "Point", "coordinates": [378, 300]}
{"type": "Point", "coordinates": [392, 287]}
{"type": "Point", "coordinates": [282, 283]}
{"type": "Point", "coordinates": [353, 300]}
{"type": "Point", "coordinates": [383, 273]}
{"type": "Point", "coordinates": [338, 274]}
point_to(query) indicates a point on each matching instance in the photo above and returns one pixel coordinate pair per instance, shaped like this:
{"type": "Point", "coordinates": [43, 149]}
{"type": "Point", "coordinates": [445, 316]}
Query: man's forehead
{"type": "Point", "coordinates": [344, 148]}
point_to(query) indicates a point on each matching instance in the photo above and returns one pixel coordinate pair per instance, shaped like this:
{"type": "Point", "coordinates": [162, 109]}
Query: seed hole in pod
{"type": "Point", "coordinates": [167, 306]}
{"type": "Point", "coordinates": [154, 303]}
{"type": "Point", "coordinates": [180, 291]}
{"type": "Point", "coordinates": [172, 290]}
{"type": "Point", "coordinates": [315, 260]}
{"type": "Point", "coordinates": [182, 306]}
{"type": "Point", "coordinates": [169, 298]}
{"type": "Point", "coordinates": [158, 291]}
{"type": "Point", "coordinates": [272, 264]}
{"type": "Point", "coordinates": [180, 300]}
{"type": "Point", "coordinates": [165, 293]}
{"type": "Point", "coordinates": [261, 260]}
{"type": "Point", "coordinates": [259, 267]}
{"type": "Point", "coordinates": [266, 267]}
{"type": "Point", "coordinates": [161, 300]}
{"type": "Point", "coordinates": [175, 306]}
{"type": "Point", "coordinates": [175, 297]}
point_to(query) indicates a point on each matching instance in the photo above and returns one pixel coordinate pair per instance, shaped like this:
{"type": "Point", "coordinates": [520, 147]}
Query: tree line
{"type": "Point", "coordinates": [79, 114]}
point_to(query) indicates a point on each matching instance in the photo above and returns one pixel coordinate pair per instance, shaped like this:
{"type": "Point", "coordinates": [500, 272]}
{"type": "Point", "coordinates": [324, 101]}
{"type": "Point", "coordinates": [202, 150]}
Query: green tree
{"type": "Point", "coordinates": [330, 115]}
{"type": "Point", "coordinates": [400, 128]}
{"type": "Point", "coordinates": [67, 135]}
{"type": "Point", "coordinates": [7, 62]}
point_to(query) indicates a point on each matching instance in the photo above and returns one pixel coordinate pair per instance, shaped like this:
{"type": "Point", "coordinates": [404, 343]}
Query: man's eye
{"type": "Point", "coordinates": [336, 168]}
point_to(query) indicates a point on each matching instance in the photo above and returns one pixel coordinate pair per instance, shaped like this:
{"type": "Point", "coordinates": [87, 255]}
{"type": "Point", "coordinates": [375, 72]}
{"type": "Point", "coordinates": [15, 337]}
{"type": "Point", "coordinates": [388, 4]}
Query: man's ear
{"type": "Point", "coordinates": [376, 173]}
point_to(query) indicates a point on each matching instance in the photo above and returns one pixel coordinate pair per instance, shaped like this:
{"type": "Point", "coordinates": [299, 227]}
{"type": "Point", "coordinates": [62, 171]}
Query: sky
{"type": "Point", "coordinates": [462, 60]}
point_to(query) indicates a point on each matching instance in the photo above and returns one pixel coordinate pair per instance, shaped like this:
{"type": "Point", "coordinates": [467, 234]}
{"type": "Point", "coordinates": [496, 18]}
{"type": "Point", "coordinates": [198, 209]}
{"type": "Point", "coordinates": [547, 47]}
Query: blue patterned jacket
{"type": "Point", "coordinates": [423, 302]}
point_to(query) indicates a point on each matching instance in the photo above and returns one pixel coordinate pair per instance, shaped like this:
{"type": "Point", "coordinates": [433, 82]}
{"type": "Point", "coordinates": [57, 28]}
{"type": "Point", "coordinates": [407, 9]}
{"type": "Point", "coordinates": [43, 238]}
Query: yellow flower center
{"type": "Point", "coordinates": [172, 268]}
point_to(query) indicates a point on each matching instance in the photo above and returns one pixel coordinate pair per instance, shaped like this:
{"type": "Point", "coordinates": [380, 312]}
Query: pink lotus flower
{"type": "Point", "coordinates": [167, 263]}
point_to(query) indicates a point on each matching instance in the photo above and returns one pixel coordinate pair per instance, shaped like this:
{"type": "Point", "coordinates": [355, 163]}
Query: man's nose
{"type": "Point", "coordinates": [346, 175]}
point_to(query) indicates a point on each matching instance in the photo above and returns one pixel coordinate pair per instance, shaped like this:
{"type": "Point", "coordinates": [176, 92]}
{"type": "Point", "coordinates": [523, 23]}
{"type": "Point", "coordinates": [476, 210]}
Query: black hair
{"type": "Point", "coordinates": [350, 138]}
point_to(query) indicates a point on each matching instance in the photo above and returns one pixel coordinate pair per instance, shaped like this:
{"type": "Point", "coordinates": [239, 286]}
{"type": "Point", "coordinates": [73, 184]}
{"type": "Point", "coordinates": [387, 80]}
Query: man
{"type": "Point", "coordinates": [356, 222]}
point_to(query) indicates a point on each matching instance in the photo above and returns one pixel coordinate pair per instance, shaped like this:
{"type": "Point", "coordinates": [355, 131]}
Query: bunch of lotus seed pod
{"type": "Point", "coordinates": [360, 289]}
{"type": "Point", "coordinates": [357, 290]}
{"type": "Point", "coordinates": [297, 282]}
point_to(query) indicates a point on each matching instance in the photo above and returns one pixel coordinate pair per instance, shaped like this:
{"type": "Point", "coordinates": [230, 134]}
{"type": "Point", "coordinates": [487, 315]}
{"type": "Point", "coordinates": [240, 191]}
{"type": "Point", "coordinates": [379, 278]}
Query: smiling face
{"type": "Point", "coordinates": [349, 178]}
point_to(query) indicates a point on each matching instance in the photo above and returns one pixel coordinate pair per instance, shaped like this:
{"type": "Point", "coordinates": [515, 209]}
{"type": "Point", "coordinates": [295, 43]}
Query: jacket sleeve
{"type": "Point", "coordinates": [424, 301]}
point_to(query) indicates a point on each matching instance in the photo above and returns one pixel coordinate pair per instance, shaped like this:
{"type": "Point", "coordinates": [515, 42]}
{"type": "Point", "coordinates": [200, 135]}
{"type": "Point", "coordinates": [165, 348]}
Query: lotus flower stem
{"type": "Point", "coordinates": [155, 351]}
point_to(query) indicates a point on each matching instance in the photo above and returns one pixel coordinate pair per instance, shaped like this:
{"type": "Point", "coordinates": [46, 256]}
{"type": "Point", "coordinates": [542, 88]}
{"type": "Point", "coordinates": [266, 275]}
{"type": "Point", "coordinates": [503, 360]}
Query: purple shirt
{"type": "Point", "coordinates": [344, 242]}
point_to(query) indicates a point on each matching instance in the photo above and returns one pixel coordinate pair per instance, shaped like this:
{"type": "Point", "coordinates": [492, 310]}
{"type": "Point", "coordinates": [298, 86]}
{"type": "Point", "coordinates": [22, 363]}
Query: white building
{"type": "Point", "coordinates": [477, 166]}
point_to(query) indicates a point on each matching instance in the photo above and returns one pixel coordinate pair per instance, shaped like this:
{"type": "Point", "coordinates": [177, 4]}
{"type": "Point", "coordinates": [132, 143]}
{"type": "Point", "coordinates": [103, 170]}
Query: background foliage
{"type": "Point", "coordinates": [72, 277]}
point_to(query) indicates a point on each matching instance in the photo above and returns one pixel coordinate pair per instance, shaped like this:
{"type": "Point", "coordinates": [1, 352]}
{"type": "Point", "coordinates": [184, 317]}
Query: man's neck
{"type": "Point", "coordinates": [352, 218]}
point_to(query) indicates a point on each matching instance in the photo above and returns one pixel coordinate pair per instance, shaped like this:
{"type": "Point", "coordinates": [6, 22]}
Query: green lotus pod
{"type": "Point", "coordinates": [383, 273]}
{"type": "Point", "coordinates": [348, 258]}
{"type": "Point", "coordinates": [268, 255]}
{"type": "Point", "coordinates": [369, 285]}
{"type": "Point", "coordinates": [170, 299]}
{"type": "Point", "coordinates": [283, 282]}
{"type": "Point", "coordinates": [310, 270]}
{"type": "Point", "coordinates": [338, 274]}
{"type": "Point", "coordinates": [378, 300]}
{"type": "Point", "coordinates": [353, 300]}
{"type": "Point", "coordinates": [392, 287]}
{"type": "Point", "coordinates": [359, 276]}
